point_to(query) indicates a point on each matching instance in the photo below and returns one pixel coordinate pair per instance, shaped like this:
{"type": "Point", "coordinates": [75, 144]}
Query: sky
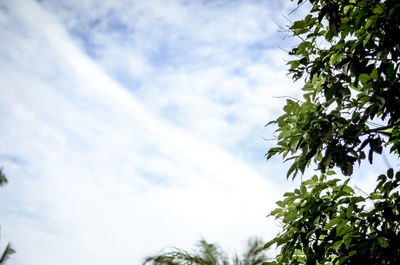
{"type": "Point", "coordinates": [132, 126]}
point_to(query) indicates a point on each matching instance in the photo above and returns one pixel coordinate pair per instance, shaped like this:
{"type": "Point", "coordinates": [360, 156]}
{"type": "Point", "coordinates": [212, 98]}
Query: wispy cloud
{"type": "Point", "coordinates": [128, 126]}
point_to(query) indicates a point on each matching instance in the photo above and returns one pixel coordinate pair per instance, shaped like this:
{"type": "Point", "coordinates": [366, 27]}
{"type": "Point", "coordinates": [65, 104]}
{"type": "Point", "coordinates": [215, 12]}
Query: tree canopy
{"type": "Point", "coordinates": [348, 58]}
{"type": "Point", "coordinates": [210, 254]}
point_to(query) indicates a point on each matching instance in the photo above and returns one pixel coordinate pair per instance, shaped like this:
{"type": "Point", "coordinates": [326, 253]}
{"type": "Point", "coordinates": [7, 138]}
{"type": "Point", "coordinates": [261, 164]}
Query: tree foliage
{"type": "Point", "coordinates": [3, 179]}
{"type": "Point", "coordinates": [326, 222]}
{"type": "Point", "coordinates": [8, 251]}
{"type": "Point", "coordinates": [210, 254]}
{"type": "Point", "coordinates": [348, 58]}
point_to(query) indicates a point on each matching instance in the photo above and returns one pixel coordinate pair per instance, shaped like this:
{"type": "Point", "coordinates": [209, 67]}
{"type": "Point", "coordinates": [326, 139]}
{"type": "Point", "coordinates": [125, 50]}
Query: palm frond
{"type": "Point", "coordinates": [3, 179]}
{"type": "Point", "coordinates": [176, 257]}
{"type": "Point", "coordinates": [210, 254]}
{"type": "Point", "coordinates": [255, 254]}
{"type": "Point", "coordinates": [6, 254]}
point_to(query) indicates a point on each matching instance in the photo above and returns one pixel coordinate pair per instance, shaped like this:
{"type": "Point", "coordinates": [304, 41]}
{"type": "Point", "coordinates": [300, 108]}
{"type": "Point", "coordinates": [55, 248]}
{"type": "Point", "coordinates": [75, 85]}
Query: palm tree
{"type": "Point", "coordinates": [210, 254]}
{"type": "Point", "coordinates": [9, 250]}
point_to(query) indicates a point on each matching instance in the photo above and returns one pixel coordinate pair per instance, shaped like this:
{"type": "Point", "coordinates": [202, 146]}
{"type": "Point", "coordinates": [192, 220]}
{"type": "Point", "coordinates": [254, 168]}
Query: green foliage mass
{"type": "Point", "coordinates": [325, 222]}
{"type": "Point", "coordinates": [348, 58]}
{"type": "Point", "coordinates": [210, 254]}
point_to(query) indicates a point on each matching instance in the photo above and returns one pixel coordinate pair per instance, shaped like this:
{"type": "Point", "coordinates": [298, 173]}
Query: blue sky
{"type": "Point", "coordinates": [131, 126]}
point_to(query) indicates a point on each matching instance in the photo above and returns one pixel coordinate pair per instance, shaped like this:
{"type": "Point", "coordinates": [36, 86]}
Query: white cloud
{"type": "Point", "coordinates": [102, 174]}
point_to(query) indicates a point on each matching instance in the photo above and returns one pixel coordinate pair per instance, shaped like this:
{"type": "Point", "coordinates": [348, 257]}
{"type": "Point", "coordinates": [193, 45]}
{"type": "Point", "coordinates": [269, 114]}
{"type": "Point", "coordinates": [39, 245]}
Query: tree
{"type": "Point", "coordinates": [210, 254]}
{"type": "Point", "coordinates": [348, 57]}
{"type": "Point", "coordinates": [8, 251]}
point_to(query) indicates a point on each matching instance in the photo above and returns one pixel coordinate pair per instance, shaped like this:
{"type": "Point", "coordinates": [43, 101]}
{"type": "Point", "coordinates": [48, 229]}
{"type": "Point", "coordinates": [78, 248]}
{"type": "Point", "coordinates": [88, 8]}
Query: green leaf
{"type": "Point", "coordinates": [347, 238]}
{"type": "Point", "coordinates": [294, 64]}
{"type": "Point", "coordinates": [337, 245]}
{"type": "Point", "coordinates": [383, 242]}
{"type": "Point", "coordinates": [308, 87]}
{"type": "Point", "coordinates": [348, 190]}
{"type": "Point", "coordinates": [349, 211]}
{"type": "Point", "coordinates": [342, 228]}
{"type": "Point", "coordinates": [369, 22]}
{"type": "Point", "coordinates": [378, 9]}
{"type": "Point", "coordinates": [280, 204]}
{"type": "Point", "coordinates": [364, 78]}
{"type": "Point", "coordinates": [333, 222]}
{"type": "Point", "coordinates": [374, 74]}
{"type": "Point", "coordinates": [390, 173]}
{"type": "Point", "coordinates": [300, 31]}
{"type": "Point", "coordinates": [277, 211]}
{"type": "Point", "coordinates": [269, 123]}
{"type": "Point", "coordinates": [370, 156]}
{"type": "Point", "coordinates": [292, 169]}
{"type": "Point", "coordinates": [270, 243]}
{"type": "Point", "coordinates": [346, 9]}
{"type": "Point", "coordinates": [366, 39]}
{"type": "Point", "coordinates": [298, 25]}
{"type": "Point", "coordinates": [303, 47]}
{"type": "Point", "coordinates": [335, 58]}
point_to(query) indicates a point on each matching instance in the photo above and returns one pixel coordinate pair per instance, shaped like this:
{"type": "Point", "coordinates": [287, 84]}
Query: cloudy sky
{"type": "Point", "coordinates": [129, 126]}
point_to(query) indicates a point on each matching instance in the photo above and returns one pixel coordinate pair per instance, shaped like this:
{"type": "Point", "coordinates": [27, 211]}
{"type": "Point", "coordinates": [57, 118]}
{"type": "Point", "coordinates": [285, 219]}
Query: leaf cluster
{"type": "Point", "coordinates": [326, 222]}
{"type": "Point", "coordinates": [348, 57]}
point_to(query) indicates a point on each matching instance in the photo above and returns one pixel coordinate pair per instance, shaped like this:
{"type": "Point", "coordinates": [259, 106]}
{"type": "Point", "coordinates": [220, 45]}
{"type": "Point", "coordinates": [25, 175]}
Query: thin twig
{"type": "Point", "coordinates": [297, 7]}
{"type": "Point", "coordinates": [298, 100]}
